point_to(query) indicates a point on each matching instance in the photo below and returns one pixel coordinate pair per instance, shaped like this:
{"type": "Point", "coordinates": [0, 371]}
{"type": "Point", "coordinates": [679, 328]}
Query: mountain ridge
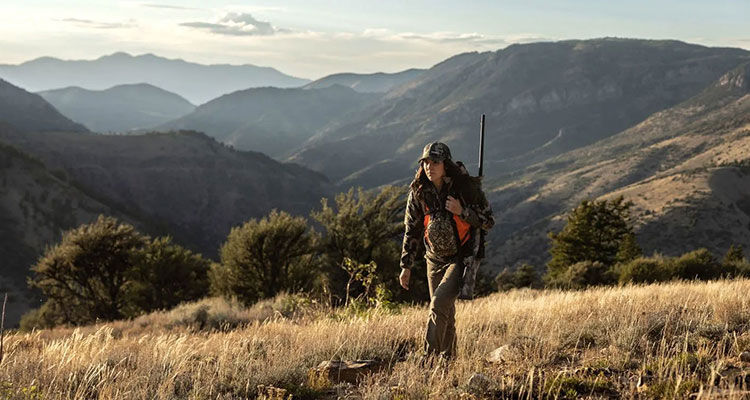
{"type": "Point", "coordinates": [589, 89]}
{"type": "Point", "coordinates": [120, 108]}
{"type": "Point", "coordinates": [275, 121]}
{"type": "Point", "coordinates": [28, 111]}
{"type": "Point", "coordinates": [196, 82]}
{"type": "Point", "coordinates": [378, 82]}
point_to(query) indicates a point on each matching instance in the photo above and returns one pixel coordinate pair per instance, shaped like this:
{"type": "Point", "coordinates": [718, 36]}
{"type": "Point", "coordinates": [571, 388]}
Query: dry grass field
{"type": "Point", "coordinates": [678, 340]}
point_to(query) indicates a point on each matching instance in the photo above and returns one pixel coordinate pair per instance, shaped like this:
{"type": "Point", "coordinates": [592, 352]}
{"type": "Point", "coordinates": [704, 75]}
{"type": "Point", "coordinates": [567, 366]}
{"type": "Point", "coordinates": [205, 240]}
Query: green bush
{"type": "Point", "coordinates": [736, 269]}
{"type": "Point", "coordinates": [85, 276]}
{"type": "Point", "coordinates": [583, 274]}
{"type": "Point", "coordinates": [699, 264]}
{"type": "Point", "coordinates": [524, 276]}
{"type": "Point", "coordinates": [107, 270]}
{"type": "Point", "coordinates": [265, 257]}
{"type": "Point", "coordinates": [364, 226]}
{"type": "Point", "coordinates": [735, 254]}
{"type": "Point", "coordinates": [166, 275]}
{"type": "Point", "coordinates": [645, 270]}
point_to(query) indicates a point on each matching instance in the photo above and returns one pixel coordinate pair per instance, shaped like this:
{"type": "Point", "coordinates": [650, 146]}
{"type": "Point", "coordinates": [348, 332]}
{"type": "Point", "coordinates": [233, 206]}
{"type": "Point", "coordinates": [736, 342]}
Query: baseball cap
{"type": "Point", "coordinates": [436, 151]}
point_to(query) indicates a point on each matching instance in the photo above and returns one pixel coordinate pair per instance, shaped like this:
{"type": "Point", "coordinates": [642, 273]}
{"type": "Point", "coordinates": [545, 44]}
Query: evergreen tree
{"type": "Point", "coordinates": [597, 230]}
{"type": "Point", "coordinates": [735, 254]}
{"type": "Point", "coordinates": [629, 249]}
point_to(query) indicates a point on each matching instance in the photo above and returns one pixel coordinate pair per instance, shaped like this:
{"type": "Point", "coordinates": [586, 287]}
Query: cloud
{"type": "Point", "coordinates": [448, 38]}
{"type": "Point", "coordinates": [237, 24]}
{"type": "Point", "coordinates": [87, 23]}
{"type": "Point", "coordinates": [171, 7]}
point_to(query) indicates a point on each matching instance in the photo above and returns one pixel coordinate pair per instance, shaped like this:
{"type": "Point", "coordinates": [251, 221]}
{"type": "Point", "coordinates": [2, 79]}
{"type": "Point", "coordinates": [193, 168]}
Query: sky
{"type": "Point", "coordinates": [313, 38]}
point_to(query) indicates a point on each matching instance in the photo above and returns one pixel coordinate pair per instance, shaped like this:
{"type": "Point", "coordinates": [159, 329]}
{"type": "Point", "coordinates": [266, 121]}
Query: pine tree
{"type": "Point", "coordinates": [597, 230]}
{"type": "Point", "coordinates": [735, 254]}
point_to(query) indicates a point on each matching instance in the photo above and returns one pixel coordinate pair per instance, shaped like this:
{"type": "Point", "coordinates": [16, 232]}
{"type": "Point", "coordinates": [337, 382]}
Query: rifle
{"type": "Point", "coordinates": [470, 271]}
{"type": "Point", "coordinates": [480, 252]}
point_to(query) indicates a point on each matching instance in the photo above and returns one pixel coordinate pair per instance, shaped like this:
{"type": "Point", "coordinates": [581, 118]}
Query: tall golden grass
{"type": "Point", "coordinates": [660, 341]}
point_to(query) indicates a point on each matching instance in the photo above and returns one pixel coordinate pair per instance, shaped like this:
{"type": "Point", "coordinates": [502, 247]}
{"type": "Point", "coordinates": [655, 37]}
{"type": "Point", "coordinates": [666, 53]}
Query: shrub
{"type": "Point", "coordinates": [264, 257]}
{"type": "Point", "coordinates": [645, 270]}
{"type": "Point", "coordinates": [107, 270]}
{"type": "Point", "coordinates": [735, 254]}
{"type": "Point", "coordinates": [583, 274]}
{"type": "Point", "coordinates": [84, 277]}
{"type": "Point", "coordinates": [524, 276]}
{"type": "Point", "coordinates": [699, 264]}
{"type": "Point", "coordinates": [168, 274]}
{"type": "Point", "coordinates": [363, 226]}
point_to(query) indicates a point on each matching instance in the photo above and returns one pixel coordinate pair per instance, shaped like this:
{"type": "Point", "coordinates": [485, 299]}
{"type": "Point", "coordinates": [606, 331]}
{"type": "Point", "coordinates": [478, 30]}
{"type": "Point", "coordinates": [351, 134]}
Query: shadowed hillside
{"type": "Point", "coordinates": [36, 206]}
{"type": "Point", "coordinates": [28, 111]}
{"type": "Point", "coordinates": [192, 186]}
{"type": "Point", "coordinates": [271, 120]}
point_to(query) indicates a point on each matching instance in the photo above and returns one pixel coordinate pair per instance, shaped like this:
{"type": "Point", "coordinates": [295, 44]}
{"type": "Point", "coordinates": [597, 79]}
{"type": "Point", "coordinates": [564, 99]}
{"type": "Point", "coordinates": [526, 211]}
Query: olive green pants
{"type": "Point", "coordinates": [444, 281]}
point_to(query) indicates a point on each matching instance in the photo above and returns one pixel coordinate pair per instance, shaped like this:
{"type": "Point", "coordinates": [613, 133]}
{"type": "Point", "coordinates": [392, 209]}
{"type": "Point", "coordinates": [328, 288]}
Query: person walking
{"type": "Point", "coordinates": [445, 211]}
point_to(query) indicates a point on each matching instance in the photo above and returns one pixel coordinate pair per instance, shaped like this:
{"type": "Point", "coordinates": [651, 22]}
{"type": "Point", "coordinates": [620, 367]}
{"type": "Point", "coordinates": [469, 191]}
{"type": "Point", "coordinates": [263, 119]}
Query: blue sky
{"type": "Point", "coordinates": [314, 38]}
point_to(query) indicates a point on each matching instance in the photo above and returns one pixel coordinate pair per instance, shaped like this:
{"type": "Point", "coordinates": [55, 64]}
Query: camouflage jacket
{"type": "Point", "coordinates": [476, 211]}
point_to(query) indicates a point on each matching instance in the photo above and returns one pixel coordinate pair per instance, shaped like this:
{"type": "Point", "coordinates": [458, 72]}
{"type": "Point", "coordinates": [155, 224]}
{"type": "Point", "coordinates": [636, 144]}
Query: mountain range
{"type": "Point", "coordinates": [120, 108]}
{"type": "Point", "coordinates": [541, 99]}
{"type": "Point", "coordinates": [197, 83]}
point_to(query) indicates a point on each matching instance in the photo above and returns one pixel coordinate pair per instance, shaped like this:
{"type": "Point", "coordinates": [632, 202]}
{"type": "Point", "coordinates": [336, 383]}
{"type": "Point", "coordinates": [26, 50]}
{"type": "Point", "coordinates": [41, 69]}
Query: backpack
{"type": "Point", "coordinates": [438, 222]}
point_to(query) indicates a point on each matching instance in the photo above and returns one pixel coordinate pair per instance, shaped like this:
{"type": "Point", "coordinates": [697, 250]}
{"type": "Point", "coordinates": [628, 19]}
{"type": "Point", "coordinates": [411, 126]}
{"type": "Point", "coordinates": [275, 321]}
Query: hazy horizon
{"type": "Point", "coordinates": [314, 39]}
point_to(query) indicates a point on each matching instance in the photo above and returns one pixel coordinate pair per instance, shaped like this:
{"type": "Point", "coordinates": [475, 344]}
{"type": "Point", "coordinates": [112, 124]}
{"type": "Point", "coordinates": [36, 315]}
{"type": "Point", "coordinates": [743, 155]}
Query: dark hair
{"type": "Point", "coordinates": [452, 170]}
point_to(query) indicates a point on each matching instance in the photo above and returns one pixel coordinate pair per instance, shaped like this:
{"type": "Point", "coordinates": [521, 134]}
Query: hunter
{"type": "Point", "coordinates": [445, 212]}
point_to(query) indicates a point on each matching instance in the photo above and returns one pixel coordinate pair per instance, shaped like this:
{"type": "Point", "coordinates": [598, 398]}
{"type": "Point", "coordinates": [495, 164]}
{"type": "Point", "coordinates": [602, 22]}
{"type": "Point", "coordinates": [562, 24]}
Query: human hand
{"type": "Point", "coordinates": [404, 278]}
{"type": "Point", "coordinates": [454, 206]}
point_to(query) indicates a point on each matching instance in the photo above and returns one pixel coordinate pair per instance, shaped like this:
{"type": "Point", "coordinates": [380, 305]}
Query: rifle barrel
{"type": "Point", "coordinates": [481, 146]}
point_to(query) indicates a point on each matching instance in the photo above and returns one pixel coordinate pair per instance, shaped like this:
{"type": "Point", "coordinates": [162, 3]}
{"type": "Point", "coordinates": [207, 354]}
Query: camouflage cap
{"type": "Point", "coordinates": [436, 151]}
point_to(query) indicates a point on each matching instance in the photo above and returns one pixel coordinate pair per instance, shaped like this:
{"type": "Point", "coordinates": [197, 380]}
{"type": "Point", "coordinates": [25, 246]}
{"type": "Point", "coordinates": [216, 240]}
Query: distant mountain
{"type": "Point", "coordinates": [686, 169]}
{"type": "Point", "coordinates": [120, 108]}
{"type": "Point", "coordinates": [28, 111]}
{"type": "Point", "coordinates": [367, 83]}
{"type": "Point", "coordinates": [271, 120]}
{"type": "Point", "coordinates": [541, 100]}
{"type": "Point", "coordinates": [185, 183]}
{"type": "Point", "coordinates": [196, 82]}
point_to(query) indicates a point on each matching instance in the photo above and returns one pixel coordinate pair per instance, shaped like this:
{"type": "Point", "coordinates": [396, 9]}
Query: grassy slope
{"type": "Point", "coordinates": [649, 340]}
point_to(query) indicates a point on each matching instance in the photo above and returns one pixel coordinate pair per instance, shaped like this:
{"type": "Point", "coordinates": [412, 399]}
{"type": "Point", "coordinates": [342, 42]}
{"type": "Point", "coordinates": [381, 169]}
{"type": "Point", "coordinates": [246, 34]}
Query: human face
{"type": "Point", "coordinates": [435, 170]}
